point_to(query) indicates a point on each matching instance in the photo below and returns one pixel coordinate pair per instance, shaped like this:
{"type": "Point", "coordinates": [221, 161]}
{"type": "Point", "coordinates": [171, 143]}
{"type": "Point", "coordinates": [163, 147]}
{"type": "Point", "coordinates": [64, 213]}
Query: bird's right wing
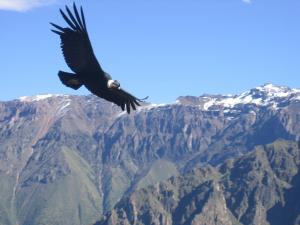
{"type": "Point", "coordinates": [75, 43]}
{"type": "Point", "coordinates": [124, 99]}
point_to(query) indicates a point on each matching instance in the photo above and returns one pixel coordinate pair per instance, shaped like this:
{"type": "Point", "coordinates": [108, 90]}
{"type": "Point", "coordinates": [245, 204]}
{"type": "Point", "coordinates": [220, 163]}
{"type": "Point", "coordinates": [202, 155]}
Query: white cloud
{"type": "Point", "coordinates": [247, 1]}
{"type": "Point", "coordinates": [23, 5]}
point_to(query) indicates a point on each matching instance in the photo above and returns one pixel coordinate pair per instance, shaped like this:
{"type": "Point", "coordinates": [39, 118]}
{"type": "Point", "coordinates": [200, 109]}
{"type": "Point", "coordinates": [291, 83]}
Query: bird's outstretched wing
{"type": "Point", "coordinates": [75, 43]}
{"type": "Point", "coordinates": [124, 99]}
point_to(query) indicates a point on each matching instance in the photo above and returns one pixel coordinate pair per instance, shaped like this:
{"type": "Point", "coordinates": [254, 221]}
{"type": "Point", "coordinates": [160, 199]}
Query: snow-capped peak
{"type": "Point", "coordinates": [265, 95]}
{"type": "Point", "coordinates": [61, 106]}
{"type": "Point", "coordinates": [276, 91]}
{"type": "Point", "coordinates": [39, 97]}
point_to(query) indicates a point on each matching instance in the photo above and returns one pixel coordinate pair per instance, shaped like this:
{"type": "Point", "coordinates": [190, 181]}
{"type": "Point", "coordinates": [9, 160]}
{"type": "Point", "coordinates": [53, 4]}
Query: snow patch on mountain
{"type": "Point", "coordinates": [266, 95]}
{"type": "Point", "coordinates": [152, 106]}
{"type": "Point", "coordinates": [62, 101]}
{"type": "Point", "coordinates": [39, 97]}
{"type": "Point", "coordinates": [64, 107]}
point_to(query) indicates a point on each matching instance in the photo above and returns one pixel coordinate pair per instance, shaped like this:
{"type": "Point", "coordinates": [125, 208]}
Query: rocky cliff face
{"type": "Point", "coordinates": [70, 159]}
{"type": "Point", "coordinates": [258, 188]}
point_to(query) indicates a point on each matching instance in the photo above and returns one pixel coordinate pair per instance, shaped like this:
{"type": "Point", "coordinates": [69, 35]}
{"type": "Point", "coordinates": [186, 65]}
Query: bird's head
{"type": "Point", "coordinates": [113, 84]}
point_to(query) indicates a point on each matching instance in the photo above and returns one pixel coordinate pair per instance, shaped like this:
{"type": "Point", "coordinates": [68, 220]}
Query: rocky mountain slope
{"type": "Point", "coordinates": [259, 188]}
{"type": "Point", "coordinates": [71, 159]}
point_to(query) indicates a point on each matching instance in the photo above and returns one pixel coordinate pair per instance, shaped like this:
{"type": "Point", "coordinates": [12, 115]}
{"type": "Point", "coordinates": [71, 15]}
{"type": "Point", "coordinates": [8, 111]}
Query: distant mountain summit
{"type": "Point", "coordinates": [78, 159]}
{"type": "Point", "coordinates": [266, 95]}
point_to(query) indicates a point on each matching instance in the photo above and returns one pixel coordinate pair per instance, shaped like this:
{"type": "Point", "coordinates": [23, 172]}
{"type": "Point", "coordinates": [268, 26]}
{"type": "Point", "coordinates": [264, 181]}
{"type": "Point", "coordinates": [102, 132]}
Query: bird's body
{"type": "Point", "coordinates": [79, 56]}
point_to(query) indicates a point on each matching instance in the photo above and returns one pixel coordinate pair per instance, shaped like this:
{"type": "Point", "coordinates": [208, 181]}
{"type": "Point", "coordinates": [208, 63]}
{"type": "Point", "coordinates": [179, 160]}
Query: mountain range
{"type": "Point", "coordinates": [212, 159]}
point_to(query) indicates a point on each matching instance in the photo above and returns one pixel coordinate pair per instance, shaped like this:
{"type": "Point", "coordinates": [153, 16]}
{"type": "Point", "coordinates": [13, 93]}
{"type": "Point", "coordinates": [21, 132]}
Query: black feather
{"type": "Point", "coordinates": [132, 105]}
{"type": "Point", "coordinates": [58, 27]}
{"type": "Point", "coordinates": [67, 20]}
{"type": "Point", "coordinates": [77, 16]}
{"type": "Point", "coordinates": [128, 107]}
{"type": "Point", "coordinates": [73, 19]}
{"type": "Point", "coordinates": [57, 32]}
{"type": "Point", "coordinates": [123, 106]}
{"type": "Point", "coordinates": [83, 19]}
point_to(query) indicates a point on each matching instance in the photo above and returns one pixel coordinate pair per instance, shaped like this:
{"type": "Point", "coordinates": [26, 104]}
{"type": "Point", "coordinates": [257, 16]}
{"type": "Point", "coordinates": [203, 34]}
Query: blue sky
{"type": "Point", "coordinates": [160, 48]}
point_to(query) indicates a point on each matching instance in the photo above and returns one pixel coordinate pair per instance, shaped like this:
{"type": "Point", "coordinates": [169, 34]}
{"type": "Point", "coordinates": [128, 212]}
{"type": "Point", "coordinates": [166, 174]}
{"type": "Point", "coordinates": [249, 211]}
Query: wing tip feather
{"type": "Point", "coordinates": [56, 32]}
{"type": "Point", "coordinates": [59, 30]}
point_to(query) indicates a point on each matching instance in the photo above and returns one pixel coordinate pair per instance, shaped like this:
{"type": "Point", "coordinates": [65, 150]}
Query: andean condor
{"type": "Point", "coordinates": [79, 56]}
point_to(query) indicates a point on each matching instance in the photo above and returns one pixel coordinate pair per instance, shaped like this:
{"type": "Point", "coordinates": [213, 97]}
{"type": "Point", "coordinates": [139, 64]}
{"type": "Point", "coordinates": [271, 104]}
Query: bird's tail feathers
{"type": "Point", "coordinates": [70, 80]}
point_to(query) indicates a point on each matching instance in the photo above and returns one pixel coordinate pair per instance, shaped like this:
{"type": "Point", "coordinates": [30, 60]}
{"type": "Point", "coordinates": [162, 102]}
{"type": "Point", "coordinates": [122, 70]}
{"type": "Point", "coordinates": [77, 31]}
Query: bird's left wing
{"type": "Point", "coordinates": [75, 43]}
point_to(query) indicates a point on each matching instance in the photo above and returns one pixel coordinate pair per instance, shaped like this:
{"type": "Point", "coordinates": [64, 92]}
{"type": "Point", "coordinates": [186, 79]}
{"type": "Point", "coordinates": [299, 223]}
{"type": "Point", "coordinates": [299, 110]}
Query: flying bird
{"type": "Point", "coordinates": [79, 56]}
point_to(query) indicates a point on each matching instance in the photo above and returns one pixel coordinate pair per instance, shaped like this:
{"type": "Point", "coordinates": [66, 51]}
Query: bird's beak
{"type": "Point", "coordinates": [116, 84]}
